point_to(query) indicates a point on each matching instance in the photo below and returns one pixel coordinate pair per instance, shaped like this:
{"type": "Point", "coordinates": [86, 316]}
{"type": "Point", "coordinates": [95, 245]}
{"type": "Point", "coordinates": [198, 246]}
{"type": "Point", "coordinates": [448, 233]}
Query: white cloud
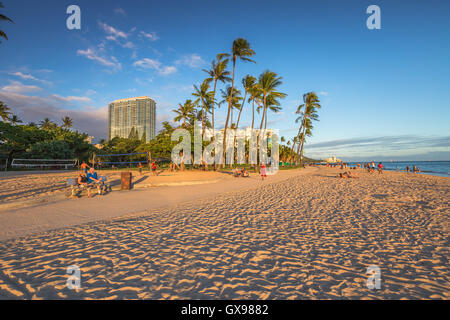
{"type": "Point", "coordinates": [71, 98]}
{"type": "Point", "coordinates": [90, 54]}
{"type": "Point", "coordinates": [128, 44]}
{"type": "Point", "coordinates": [152, 36]}
{"type": "Point", "coordinates": [147, 63]}
{"type": "Point", "coordinates": [115, 33]}
{"type": "Point", "coordinates": [323, 93]}
{"type": "Point", "coordinates": [192, 60]}
{"type": "Point", "coordinates": [120, 11]}
{"type": "Point", "coordinates": [18, 87]}
{"type": "Point", "coordinates": [167, 70]}
{"type": "Point", "coordinates": [28, 77]}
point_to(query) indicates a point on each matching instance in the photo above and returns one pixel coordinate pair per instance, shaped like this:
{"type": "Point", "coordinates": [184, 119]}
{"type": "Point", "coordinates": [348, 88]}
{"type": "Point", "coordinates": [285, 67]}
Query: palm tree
{"type": "Point", "coordinates": [248, 82]}
{"type": "Point", "coordinates": [203, 95]}
{"type": "Point", "coordinates": [14, 120]}
{"type": "Point", "coordinates": [268, 82]}
{"type": "Point", "coordinates": [5, 112]}
{"type": "Point", "coordinates": [255, 95]}
{"type": "Point", "coordinates": [67, 122]}
{"type": "Point", "coordinates": [241, 49]}
{"type": "Point", "coordinates": [4, 18]}
{"type": "Point", "coordinates": [273, 105]}
{"type": "Point", "coordinates": [46, 124]}
{"type": "Point", "coordinates": [234, 98]}
{"type": "Point", "coordinates": [218, 72]}
{"type": "Point", "coordinates": [294, 142]}
{"type": "Point", "coordinates": [310, 105]}
{"type": "Point", "coordinates": [184, 112]}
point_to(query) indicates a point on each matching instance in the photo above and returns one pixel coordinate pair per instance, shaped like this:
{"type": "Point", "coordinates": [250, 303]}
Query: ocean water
{"type": "Point", "coordinates": [435, 168]}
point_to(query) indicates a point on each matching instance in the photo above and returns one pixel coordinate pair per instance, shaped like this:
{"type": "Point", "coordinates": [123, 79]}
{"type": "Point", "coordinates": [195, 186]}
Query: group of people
{"type": "Point", "coordinates": [88, 178]}
{"type": "Point", "coordinates": [245, 174]}
{"type": "Point", "coordinates": [240, 173]}
{"type": "Point", "coordinates": [414, 169]}
{"type": "Point", "coordinates": [370, 167]}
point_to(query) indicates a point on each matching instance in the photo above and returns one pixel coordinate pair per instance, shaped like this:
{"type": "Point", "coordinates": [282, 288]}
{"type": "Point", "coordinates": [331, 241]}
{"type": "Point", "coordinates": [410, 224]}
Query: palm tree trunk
{"type": "Point", "coordinates": [214, 96]}
{"type": "Point", "coordinates": [253, 113]}
{"type": "Point", "coordinates": [261, 125]}
{"type": "Point", "coordinates": [228, 117]}
{"type": "Point", "coordinates": [213, 107]}
{"type": "Point", "coordinates": [303, 137]}
{"type": "Point", "coordinates": [265, 122]}
{"type": "Point", "coordinates": [240, 111]}
{"type": "Point", "coordinates": [203, 113]}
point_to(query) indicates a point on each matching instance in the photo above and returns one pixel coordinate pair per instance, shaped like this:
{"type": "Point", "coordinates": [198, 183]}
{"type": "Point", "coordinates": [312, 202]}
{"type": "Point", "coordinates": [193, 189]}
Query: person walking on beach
{"type": "Point", "coordinates": [407, 168]}
{"type": "Point", "coordinates": [380, 168]}
{"type": "Point", "coordinates": [262, 171]}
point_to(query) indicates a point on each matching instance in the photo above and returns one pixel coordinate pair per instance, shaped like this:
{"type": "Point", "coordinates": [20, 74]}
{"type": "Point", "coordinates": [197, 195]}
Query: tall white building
{"type": "Point", "coordinates": [136, 114]}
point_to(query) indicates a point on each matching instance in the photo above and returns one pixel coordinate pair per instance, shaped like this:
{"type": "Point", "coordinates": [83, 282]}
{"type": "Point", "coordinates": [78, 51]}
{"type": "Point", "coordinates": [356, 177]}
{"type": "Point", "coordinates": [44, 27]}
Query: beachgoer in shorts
{"type": "Point", "coordinates": [263, 171]}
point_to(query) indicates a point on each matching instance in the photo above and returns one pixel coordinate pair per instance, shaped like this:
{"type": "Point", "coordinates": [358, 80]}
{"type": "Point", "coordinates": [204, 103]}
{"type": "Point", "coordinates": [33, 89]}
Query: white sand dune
{"type": "Point", "coordinates": [308, 237]}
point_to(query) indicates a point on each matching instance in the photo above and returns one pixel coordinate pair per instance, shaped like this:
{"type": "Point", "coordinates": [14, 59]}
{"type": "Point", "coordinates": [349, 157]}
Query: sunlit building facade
{"type": "Point", "coordinates": [132, 116]}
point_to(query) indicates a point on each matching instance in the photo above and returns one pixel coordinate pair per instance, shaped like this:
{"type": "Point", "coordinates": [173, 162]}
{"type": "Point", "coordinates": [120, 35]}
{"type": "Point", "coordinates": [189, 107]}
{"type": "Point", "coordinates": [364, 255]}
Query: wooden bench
{"type": "Point", "coordinates": [76, 189]}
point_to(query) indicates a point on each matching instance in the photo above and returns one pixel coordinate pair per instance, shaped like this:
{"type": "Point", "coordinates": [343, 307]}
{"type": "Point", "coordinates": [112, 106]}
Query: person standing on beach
{"type": "Point", "coordinates": [407, 168]}
{"type": "Point", "coordinates": [84, 167]}
{"type": "Point", "coordinates": [380, 168]}
{"type": "Point", "coordinates": [140, 168]}
{"type": "Point", "coordinates": [154, 168]}
{"type": "Point", "coordinates": [262, 171]}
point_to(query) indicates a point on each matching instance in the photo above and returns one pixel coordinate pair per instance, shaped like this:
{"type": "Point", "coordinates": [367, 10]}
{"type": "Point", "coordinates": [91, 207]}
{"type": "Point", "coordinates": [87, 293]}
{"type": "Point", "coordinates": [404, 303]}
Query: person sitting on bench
{"type": "Point", "coordinates": [93, 180]}
{"type": "Point", "coordinates": [83, 183]}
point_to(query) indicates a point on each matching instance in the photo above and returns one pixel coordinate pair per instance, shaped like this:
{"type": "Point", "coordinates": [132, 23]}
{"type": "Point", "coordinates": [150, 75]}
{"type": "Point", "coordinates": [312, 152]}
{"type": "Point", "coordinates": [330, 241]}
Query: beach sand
{"type": "Point", "coordinates": [302, 236]}
{"type": "Point", "coordinates": [20, 189]}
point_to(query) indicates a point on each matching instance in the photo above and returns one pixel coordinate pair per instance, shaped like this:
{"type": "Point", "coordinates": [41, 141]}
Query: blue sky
{"type": "Point", "coordinates": [384, 93]}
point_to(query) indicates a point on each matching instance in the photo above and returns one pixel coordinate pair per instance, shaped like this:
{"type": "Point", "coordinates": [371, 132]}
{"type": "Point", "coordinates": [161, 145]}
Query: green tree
{"type": "Point", "coordinates": [184, 112]}
{"type": "Point", "coordinates": [310, 105]}
{"type": "Point", "coordinates": [240, 50]}
{"type": "Point", "coordinates": [47, 124]}
{"type": "Point", "coordinates": [5, 112]}
{"type": "Point", "coordinates": [255, 96]}
{"type": "Point", "coordinates": [203, 95]}
{"type": "Point", "coordinates": [15, 120]}
{"type": "Point", "coordinates": [248, 82]}
{"type": "Point", "coordinates": [268, 82]}
{"type": "Point", "coordinates": [56, 149]}
{"type": "Point", "coordinates": [4, 18]}
{"type": "Point", "coordinates": [218, 72]}
{"type": "Point", "coordinates": [67, 122]}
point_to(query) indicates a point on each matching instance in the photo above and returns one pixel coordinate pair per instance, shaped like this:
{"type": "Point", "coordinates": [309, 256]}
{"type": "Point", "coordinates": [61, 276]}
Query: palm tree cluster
{"type": "Point", "coordinates": [262, 92]}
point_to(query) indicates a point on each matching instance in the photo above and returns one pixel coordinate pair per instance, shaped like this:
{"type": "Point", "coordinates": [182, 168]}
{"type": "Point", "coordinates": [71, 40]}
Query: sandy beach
{"type": "Point", "coordinates": [301, 234]}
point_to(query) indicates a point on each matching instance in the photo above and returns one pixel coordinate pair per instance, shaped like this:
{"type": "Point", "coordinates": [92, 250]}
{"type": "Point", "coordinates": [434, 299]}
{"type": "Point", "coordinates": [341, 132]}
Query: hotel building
{"type": "Point", "coordinates": [138, 113]}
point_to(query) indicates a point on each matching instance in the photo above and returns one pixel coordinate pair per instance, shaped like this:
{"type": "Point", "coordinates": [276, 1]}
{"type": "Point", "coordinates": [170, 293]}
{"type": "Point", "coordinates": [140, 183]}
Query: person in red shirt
{"type": "Point", "coordinates": [154, 168]}
{"type": "Point", "coordinates": [380, 168]}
